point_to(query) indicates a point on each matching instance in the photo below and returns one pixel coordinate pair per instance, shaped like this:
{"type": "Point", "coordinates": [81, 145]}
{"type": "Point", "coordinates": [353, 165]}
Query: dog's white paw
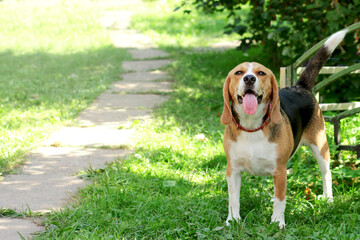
{"type": "Point", "coordinates": [237, 219]}
{"type": "Point", "coordinates": [329, 199]}
{"type": "Point", "coordinates": [280, 218]}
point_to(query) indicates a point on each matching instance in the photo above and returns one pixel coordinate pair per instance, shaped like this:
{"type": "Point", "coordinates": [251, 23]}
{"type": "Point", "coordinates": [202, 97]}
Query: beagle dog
{"type": "Point", "coordinates": [265, 126]}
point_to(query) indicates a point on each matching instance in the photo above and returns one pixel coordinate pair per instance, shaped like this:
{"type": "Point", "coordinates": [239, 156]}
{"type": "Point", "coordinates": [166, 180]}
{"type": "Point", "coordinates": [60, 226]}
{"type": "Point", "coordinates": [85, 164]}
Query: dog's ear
{"type": "Point", "coordinates": [275, 111]}
{"type": "Point", "coordinates": [226, 116]}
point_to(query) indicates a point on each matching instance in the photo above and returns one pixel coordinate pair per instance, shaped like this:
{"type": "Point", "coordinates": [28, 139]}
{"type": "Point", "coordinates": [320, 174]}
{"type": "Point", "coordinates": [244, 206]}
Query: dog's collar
{"type": "Point", "coordinates": [267, 120]}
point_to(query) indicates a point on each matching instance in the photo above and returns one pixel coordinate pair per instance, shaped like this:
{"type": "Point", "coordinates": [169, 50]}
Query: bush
{"type": "Point", "coordinates": [286, 29]}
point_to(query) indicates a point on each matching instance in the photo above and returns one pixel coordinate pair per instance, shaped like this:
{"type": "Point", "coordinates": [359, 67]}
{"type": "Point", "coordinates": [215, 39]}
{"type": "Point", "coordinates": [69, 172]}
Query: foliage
{"type": "Point", "coordinates": [287, 28]}
{"type": "Point", "coordinates": [54, 60]}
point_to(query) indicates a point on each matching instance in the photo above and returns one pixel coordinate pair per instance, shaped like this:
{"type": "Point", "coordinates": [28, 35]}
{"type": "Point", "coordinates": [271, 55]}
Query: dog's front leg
{"type": "Point", "coordinates": [280, 177]}
{"type": "Point", "coordinates": [234, 183]}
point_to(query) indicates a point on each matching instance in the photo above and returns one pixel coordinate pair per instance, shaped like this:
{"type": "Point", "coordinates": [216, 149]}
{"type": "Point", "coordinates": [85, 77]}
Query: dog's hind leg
{"type": "Point", "coordinates": [322, 155]}
{"type": "Point", "coordinates": [315, 139]}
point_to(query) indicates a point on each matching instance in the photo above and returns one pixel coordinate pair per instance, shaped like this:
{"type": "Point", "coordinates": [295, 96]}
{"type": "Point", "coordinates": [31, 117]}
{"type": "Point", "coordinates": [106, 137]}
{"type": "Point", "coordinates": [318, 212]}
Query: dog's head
{"type": "Point", "coordinates": [248, 85]}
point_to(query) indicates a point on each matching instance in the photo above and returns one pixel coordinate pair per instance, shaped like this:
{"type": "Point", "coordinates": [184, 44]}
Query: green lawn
{"type": "Point", "coordinates": [55, 59]}
{"type": "Point", "coordinates": [174, 185]}
{"type": "Point", "coordinates": [173, 29]}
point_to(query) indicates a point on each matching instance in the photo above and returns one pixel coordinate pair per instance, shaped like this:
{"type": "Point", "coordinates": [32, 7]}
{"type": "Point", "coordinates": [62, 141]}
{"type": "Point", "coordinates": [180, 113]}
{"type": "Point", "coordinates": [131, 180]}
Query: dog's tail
{"type": "Point", "coordinates": [307, 78]}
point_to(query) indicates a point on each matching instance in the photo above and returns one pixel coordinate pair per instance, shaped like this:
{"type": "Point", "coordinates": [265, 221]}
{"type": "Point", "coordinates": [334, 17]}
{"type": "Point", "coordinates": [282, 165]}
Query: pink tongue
{"type": "Point", "coordinates": [250, 104]}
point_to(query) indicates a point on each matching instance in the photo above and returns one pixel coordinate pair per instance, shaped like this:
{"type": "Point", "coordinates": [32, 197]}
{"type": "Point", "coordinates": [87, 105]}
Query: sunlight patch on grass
{"type": "Point", "coordinates": [169, 28]}
{"type": "Point", "coordinates": [59, 27]}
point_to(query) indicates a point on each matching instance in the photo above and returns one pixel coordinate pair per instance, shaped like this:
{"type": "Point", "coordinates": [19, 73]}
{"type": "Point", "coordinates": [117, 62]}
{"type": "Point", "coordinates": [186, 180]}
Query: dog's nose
{"type": "Point", "coordinates": [249, 79]}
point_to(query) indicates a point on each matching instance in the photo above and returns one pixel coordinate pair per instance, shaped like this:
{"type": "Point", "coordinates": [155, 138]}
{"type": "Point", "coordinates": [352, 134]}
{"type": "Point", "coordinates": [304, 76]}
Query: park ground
{"type": "Point", "coordinates": [173, 186]}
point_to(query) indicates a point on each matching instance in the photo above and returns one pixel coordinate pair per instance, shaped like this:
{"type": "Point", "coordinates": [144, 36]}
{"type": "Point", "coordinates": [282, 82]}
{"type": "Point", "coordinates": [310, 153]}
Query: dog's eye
{"type": "Point", "coordinates": [261, 73]}
{"type": "Point", "coordinates": [239, 72]}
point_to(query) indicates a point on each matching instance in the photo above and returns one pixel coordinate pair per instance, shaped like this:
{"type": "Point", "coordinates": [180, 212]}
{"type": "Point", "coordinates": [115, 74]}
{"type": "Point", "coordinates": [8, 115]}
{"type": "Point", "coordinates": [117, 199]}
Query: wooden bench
{"type": "Point", "coordinates": [289, 75]}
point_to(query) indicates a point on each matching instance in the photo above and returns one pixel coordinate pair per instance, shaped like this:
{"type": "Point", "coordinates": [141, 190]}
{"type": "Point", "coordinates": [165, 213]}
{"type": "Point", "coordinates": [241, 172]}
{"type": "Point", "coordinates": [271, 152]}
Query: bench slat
{"type": "Point", "coordinates": [328, 70]}
{"type": "Point", "coordinates": [338, 106]}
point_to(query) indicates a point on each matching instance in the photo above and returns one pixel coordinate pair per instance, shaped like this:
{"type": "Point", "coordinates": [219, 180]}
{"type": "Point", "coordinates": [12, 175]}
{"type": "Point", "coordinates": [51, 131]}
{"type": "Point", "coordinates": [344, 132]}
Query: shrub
{"type": "Point", "coordinates": [286, 28]}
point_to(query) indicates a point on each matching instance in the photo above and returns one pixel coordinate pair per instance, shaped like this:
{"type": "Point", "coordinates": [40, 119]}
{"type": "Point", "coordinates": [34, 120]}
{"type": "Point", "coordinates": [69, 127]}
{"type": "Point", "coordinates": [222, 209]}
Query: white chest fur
{"type": "Point", "coordinates": [252, 152]}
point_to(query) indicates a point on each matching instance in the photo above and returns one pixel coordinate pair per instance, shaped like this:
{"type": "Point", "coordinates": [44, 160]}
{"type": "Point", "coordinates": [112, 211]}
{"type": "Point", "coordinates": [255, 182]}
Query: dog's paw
{"type": "Point", "coordinates": [280, 219]}
{"type": "Point", "coordinates": [237, 219]}
{"type": "Point", "coordinates": [329, 199]}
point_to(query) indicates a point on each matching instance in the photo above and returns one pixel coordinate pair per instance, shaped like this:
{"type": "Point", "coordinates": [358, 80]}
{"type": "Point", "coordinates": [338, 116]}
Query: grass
{"type": "Point", "coordinates": [181, 30]}
{"type": "Point", "coordinates": [174, 185]}
{"type": "Point", "coordinates": [55, 58]}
